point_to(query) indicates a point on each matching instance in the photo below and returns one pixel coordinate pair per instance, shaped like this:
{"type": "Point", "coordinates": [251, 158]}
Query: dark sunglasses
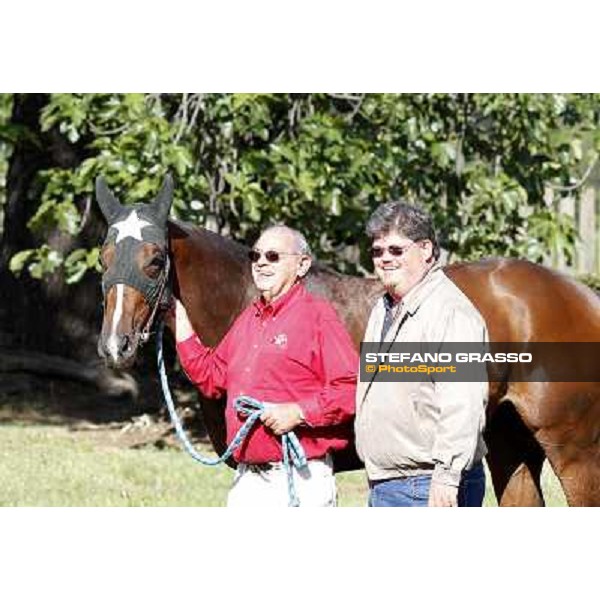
{"type": "Point", "coordinates": [272, 256]}
{"type": "Point", "coordinates": [379, 251]}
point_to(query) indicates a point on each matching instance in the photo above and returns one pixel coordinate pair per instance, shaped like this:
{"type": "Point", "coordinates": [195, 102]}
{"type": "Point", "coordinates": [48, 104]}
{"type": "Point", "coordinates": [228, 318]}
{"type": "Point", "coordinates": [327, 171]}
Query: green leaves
{"type": "Point", "coordinates": [79, 262]}
{"type": "Point", "coordinates": [322, 162]}
{"type": "Point", "coordinates": [557, 232]}
{"type": "Point", "coordinates": [40, 261]}
{"type": "Point", "coordinates": [44, 261]}
{"type": "Point", "coordinates": [52, 215]}
{"type": "Point", "coordinates": [19, 260]}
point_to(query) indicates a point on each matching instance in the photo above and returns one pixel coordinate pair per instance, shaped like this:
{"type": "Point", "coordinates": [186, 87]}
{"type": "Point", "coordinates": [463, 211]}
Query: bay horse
{"type": "Point", "coordinates": [520, 302]}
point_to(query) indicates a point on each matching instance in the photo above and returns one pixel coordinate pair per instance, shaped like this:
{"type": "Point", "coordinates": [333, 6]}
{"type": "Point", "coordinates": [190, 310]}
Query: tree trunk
{"type": "Point", "coordinates": [46, 316]}
{"type": "Point", "coordinates": [47, 327]}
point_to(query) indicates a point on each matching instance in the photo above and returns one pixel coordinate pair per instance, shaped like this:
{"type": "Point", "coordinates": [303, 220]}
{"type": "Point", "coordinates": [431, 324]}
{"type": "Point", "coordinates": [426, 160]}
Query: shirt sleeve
{"type": "Point", "coordinates": [462, 406]}
{"type": "Point", "coordinates": [339, 366]}
{"type": "Point", "coordinates": [206, 367]}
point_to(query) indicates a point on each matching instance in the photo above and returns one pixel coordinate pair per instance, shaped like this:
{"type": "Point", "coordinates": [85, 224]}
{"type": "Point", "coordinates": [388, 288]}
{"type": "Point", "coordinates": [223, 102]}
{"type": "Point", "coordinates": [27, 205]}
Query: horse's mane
{"type": "Point", "coordinates": [183, 229]}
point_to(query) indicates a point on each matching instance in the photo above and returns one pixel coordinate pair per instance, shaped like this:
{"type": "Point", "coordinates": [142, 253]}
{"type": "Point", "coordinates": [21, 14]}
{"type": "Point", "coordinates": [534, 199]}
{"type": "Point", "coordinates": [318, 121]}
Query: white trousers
{"type": "Point", "coordinates": [253, 487]}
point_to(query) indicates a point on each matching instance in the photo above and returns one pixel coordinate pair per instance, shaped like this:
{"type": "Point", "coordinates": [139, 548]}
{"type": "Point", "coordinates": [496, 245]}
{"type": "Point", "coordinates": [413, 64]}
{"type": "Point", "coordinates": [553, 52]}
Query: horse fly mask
{"type": "Point", "coordinates": [128, 228]}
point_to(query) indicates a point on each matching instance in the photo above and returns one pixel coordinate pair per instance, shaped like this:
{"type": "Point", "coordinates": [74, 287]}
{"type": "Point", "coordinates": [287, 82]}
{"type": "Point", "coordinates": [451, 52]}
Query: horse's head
{"type": "Point", "coordinates": [135, 264]}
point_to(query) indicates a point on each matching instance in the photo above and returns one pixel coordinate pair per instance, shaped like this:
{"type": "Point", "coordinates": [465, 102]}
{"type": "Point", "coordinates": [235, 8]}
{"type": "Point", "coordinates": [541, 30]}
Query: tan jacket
{"type": "Point", "coordinates": [413, 428]}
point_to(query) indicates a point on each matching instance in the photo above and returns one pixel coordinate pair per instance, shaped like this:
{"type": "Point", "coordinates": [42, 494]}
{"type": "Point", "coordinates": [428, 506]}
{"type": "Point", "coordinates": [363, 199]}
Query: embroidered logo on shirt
{"type": "Point", "coordinates": [280, 340]}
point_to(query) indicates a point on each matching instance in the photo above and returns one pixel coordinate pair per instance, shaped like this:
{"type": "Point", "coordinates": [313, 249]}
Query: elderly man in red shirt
{"type": "Point", "coordinates": [290, 350]}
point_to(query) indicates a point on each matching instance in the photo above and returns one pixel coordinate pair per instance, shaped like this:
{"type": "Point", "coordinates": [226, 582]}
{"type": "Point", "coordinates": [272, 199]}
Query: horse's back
{"type": "Point", "coordinates": [352, 297]}
{"type": "Point", "coordinates": [522, 301]}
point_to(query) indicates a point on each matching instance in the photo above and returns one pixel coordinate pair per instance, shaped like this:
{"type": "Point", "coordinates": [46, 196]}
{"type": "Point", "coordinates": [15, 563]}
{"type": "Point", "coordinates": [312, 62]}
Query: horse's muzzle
{"type": "Point", "coordinates": [119, 351]}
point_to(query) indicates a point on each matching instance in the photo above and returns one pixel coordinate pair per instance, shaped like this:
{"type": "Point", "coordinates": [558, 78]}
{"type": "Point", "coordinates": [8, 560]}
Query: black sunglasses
{"type": "Point", "coordinates": [272, 256]}
{"type": "Point", "coordinates": [379, 251]}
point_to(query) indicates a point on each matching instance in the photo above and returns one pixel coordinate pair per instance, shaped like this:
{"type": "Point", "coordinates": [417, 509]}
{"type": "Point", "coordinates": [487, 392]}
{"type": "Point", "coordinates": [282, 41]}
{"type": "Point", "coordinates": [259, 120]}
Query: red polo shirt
{"type": "Point", "coordinates": [293, 350]}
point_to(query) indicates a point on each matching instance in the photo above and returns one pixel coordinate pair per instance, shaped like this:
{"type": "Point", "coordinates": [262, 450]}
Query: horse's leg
{"type": "Point", "coordinates": [577, 468]}
{"type": "Point", "coordinates": [571, 440]}
{"type": "Point", "coordinates": [213, 413]}
{"type": "Point", "coordinates": [515, 459]}
{"type": "Point", "coordinates": [580, 479]}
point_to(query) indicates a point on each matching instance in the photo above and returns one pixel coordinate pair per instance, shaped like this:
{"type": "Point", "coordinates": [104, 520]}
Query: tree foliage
{"type": "Point", "coordinates": [321, 162]}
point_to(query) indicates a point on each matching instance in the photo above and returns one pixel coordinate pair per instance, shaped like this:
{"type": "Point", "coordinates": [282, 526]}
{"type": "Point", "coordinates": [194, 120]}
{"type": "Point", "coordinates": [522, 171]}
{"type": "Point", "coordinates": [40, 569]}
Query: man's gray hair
{"type": "Point", "coordinates": [300, 242]}
{"type": "Point", "coordinates": [409, 220]}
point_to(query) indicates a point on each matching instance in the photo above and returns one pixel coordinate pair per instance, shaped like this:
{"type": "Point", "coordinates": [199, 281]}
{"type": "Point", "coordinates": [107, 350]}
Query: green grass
{"type": "Point", "coordinates": [49, 466]}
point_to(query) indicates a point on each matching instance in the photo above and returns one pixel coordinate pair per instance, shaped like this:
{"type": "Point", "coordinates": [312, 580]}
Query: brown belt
{"type": "Point", "coordinates": [278, 465]}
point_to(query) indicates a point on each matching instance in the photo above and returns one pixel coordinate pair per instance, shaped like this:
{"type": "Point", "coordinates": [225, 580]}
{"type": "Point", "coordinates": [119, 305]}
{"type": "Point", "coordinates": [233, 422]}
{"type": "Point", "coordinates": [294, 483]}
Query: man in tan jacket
{"type": "Point", "coordinates": [421, 441]}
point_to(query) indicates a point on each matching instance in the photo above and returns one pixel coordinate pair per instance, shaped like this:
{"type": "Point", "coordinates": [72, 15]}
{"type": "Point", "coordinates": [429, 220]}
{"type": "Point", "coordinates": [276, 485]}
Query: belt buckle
{"type": "Point", "coordinates": [261, 467]}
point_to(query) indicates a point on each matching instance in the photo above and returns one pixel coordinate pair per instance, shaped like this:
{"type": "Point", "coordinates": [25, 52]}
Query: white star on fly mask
{"type": "Point", "coordinates": [130, 227]}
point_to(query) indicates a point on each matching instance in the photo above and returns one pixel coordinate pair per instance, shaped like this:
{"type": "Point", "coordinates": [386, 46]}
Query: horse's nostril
{"type": "Point", "coordinates": [125, 345]}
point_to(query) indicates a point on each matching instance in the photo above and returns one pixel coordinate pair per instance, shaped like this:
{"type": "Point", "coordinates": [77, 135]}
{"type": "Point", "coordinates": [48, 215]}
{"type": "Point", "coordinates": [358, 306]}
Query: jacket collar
{"type": "Point", "coordinates": [416, 296]}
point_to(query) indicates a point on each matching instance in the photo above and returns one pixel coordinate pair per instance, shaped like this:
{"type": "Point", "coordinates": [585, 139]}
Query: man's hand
{"type": "Point", "coordinates": [442, 495]}
{"type": "Point", "coordinates": [176, 319]}
{"type": "Point", "coordinates": [281, 418]}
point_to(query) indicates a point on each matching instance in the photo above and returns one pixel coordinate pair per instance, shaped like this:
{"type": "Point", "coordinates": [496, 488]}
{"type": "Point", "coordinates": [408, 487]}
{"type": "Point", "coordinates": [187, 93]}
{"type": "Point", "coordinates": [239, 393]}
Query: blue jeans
{"type": "Point", "coordinates": [414, 491]}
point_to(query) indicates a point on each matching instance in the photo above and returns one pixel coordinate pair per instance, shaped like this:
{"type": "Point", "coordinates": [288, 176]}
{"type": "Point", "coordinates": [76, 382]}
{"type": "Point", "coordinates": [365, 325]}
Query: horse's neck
{"type": "Point", "coordinates": [213, 278]}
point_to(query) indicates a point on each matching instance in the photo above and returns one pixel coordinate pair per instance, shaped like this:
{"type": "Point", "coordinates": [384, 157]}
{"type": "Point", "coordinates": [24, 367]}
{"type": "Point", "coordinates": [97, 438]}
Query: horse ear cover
{"type": "Point", "coordinates": [162, 204]}
{"type": "Point", "coordinates": [109, 205]}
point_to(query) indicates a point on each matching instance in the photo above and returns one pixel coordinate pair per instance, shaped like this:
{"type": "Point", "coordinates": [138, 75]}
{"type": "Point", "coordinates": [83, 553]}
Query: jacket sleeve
{"type": "Point", "coordinates": [335, 404]}
{"type": "Point", "coordinates": [206, 367]}
{"type": "Point", "coordinates": [462, 405]}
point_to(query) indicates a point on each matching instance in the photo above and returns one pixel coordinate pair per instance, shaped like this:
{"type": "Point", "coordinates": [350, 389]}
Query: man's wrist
{"type": "Point", "coordinates": [301, 417]}
{"type": "Point", "coordinates": [446, 476]}
{"type": "Point", "coordinates": [188, 345]}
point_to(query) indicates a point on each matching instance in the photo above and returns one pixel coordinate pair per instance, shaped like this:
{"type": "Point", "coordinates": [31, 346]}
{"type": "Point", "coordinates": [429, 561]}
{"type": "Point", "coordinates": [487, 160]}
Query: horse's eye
{"type": "Point", "coordinates": [155, 266]}
{"type": "Point", "coordinates": [157, 261]}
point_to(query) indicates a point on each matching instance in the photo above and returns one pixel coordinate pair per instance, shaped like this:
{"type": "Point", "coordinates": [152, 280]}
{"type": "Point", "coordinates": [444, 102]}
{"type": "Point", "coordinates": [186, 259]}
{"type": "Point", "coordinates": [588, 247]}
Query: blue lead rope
{"type": "Point", "coordinates": [293, 453]}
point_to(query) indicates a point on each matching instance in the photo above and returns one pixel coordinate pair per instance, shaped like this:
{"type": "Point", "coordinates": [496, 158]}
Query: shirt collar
{"type": "Point", "coordinates": [389, 302]}
{"type": "Point", "coordinates": [273, 308]}
{"type": "Point", "coordinates": [415, 297]}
